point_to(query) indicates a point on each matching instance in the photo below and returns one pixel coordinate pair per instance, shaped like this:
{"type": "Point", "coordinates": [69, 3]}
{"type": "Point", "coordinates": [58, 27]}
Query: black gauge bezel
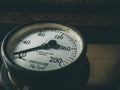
{"type": "Point", "coordinates": [10, 63]}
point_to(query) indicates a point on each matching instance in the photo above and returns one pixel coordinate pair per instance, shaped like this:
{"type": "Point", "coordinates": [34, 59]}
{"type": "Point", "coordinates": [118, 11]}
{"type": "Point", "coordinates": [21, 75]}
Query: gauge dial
{"type": "Point", "coordinates": [39, 53]}
{"type": "Point", "coordinates": [44, 46]}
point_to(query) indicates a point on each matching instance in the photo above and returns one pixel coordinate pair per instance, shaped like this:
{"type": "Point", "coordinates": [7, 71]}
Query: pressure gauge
{"type": "Point", "coordinates": [43, 53]}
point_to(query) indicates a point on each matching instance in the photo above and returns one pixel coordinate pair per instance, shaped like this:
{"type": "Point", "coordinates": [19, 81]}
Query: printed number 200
{"type": "Point", "coordinates": [55, 60]}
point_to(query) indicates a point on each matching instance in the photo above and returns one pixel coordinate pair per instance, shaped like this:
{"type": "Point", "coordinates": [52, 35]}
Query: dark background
{"type": "Point", "coordinates": [97, 20]}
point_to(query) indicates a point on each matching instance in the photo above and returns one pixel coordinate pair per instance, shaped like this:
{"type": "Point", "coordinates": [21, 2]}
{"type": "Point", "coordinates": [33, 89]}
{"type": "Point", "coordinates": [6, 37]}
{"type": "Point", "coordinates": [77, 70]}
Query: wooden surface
{"type": "Point", "coordinates": [75, 19]}
{"type": "Point", "coordinates": [105, 64]}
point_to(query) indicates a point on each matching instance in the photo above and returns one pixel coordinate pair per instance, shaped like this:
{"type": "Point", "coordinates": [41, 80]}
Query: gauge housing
{"type": "Point", "coordinates": [73, 75]}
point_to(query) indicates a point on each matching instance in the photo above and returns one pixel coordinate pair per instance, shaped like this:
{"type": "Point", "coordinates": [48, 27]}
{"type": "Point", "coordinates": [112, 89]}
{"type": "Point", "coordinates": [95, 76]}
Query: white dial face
{"type": "Point", "coordinates": [45, 49]}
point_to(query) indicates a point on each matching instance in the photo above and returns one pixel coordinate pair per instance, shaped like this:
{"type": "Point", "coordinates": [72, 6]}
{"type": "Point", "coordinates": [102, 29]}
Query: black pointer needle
{"type": "Point", "coordinates": [31, 49]}
{"type": "Point", "coordinates": [53, 44]}
{"type": "Point", "coordinates": [50, 44]}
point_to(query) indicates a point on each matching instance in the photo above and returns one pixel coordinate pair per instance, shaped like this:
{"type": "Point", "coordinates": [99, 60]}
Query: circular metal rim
{"type": "Point", "coordinates": [10, 63]}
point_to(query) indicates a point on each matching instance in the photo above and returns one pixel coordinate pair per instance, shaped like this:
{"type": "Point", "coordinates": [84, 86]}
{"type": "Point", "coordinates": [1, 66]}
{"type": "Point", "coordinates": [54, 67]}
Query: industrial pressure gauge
{"type": "Point", "coordinates": [46, 55]}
